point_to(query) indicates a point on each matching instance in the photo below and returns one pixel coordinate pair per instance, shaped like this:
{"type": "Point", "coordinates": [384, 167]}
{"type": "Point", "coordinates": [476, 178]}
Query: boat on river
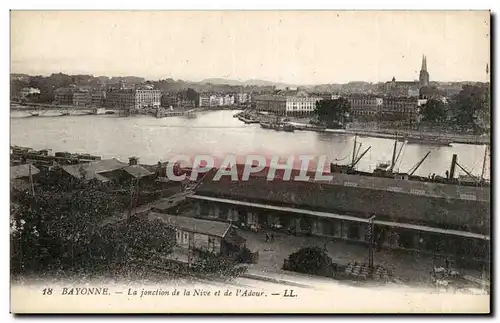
{"type": "Point", "coordinates": [247, 120]}
{"type": "Point", "coordinates": [278, 126]}
{"type": "Point", "coordinates": [265, 125]}
{"type": "Point", "coordinates": [429, 141]}
{"type": "Point", "coordinates": [386, 171]}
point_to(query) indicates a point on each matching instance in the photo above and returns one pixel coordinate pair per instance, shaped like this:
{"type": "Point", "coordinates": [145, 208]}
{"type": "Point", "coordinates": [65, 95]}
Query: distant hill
{"type": "Point", "coordinates": [245, 83]}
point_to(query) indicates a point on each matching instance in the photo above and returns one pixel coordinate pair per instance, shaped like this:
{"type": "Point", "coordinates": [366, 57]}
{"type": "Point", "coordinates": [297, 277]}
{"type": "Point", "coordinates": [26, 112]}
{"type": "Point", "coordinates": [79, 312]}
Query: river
{"type": "Point", "coordinates": [217, 133]}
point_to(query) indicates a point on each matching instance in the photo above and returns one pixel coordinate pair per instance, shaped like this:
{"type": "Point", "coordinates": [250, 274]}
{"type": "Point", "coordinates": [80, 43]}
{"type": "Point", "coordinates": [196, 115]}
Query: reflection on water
{"type": "Point", "coordinates": [217, 133]}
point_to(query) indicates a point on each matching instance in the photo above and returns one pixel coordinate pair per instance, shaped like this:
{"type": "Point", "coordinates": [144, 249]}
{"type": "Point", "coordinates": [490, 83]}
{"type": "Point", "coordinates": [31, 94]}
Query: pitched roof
{"type": "Point", "coordinates": [359, 201]}
{"type": "Point", "coordinates": [213, 228]}
{"type": "Point", "coordinates": [21, 171]}
{"type": "Point", "coordinates": [93, 169]}
{"type": "Point", "coordinates": [166, 203]}
{"type": "Point", "coordinates": [137, 171]}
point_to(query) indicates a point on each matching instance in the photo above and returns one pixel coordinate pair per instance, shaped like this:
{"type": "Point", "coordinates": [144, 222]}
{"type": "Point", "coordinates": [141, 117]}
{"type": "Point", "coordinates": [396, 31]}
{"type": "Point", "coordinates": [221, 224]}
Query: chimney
{"type": "Point", "coordinates": [133, 161]}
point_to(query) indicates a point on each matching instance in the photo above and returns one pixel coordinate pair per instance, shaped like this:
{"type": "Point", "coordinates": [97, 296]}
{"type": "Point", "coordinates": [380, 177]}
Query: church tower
{"type": "Point", "coordinates": [424, 75]}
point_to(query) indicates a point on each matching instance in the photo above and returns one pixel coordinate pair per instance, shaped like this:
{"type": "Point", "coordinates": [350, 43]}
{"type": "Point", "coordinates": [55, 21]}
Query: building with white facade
{"type": "Point", "coordinates": [214, 101]}
{"type": "Point", "coordinates": [25, 91]}
{"type": "Point", "coordinates": [147, 98]}
{"type": "Point", "coordinates": [228, 100]}
{"type": "Point", "coordinates": [294, 105]}
{"type": "Point", "coordinates": [242, 97]}
{"type": "Point", "coordinates": [298, 106]}
{"type": "Point", "coordinates": [204, 101]}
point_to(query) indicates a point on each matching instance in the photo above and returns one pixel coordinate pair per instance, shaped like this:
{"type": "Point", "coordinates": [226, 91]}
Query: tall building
{"type": "Point", "coordinates": [147, 98]}
{"type": "Point", "coordinates": [120, 99]}
{"type": "Point", "coordinates": [228, 100]}
{"type": "Point", "coordinates": [204, 101]}
{"type": "Point", "coordinates": [365, 106]}
{"type": "Point", "coordinates": [424, 75]}
{"type": "Point", "coordinates": [133, 99]}
{"type": "Point", "coordinates": [98, 98]}
{"type": "Point", "coordinates": [64, 96]}
{"type": "Point", "coordinates": [215, 101]}
{"type": "Point", "coordinates": [82, 98]}
{"type": "Point", "coordinates": [169, 100]}
{"type": "Point", "coordinates": [299, 104]}
{"type": "Point", "coordinates": [399, 109]}
{"type": "Point", "coordinates": [271, 103]}
{"type": "Point", "coordinates": [242, 98]}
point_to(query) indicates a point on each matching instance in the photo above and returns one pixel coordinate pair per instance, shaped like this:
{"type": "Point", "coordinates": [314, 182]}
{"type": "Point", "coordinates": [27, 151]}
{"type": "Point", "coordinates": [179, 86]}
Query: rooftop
{"type": "Point", "coordinates": [213, 228]}
{"type": "Point", "coordinates": [91, 170]}
{"type": "Point", "coordinates": [137, 171]}
{"type": "Point", "coordinates": [21, 171]}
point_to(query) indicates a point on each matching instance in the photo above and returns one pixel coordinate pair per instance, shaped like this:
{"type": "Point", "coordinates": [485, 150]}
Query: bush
{"type": "Point", "coordinates": [310, 260]}
{"type": "Point", "coordinates": [209, 263]}
{"type": "Point", "coordinates": [246, 256]}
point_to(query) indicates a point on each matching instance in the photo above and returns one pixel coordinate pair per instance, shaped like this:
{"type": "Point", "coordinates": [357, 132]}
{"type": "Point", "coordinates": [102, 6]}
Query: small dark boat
{"type": "Point", "coordinates": [266, 125]}
{"type": "Point", "coordinates": [428, 142]}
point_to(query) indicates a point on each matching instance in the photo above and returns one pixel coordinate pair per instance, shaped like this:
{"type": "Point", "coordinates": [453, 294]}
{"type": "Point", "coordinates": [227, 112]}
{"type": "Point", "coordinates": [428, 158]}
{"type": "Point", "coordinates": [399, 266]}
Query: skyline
{"type": "Point", "coordinates": [289, 47]}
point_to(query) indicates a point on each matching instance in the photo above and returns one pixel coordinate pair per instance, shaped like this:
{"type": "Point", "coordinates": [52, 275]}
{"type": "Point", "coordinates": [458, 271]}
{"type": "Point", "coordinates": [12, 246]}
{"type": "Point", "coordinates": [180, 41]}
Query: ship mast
{"type": "Point", "coordinates": [394, 153]}
{"type": "Point", "coordinates": [484, 162]}
{"type": "Point", "coordinates": [354, 150]}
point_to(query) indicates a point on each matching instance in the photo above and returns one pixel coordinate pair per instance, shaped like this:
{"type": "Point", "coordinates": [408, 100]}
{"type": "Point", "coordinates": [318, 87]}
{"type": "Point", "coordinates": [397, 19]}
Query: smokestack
{"type": "Point", "coordinates": [453, 165]}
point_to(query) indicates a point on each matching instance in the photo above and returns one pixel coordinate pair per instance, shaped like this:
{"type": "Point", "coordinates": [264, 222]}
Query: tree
{"type": "Point", "coordinates": [434, 112]}
{"type": "Point", "coordinates": [55, 228]}
{"type": "Point", "coordinates": [472, 98]}
{"type": "Point", "coordinates": [310, 260]}
{"type": "Point", "coordinates": [207, 263]}
{"type": "Point", "coordinates": [332, 112]}
{"type": "Point", "coordinates": [192, 95]}
{"type": "Point", "coordinates": [137, 238]}
{"type": "Point", "coordinates": [16, 86]}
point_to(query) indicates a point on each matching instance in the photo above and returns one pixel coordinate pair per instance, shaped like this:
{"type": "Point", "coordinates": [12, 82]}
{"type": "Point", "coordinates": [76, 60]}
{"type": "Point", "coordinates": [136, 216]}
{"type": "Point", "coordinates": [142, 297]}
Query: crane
{"type": "Point", "coordinates": [417, 165]}
{"type": "Point", "coordinates": [359, 158]}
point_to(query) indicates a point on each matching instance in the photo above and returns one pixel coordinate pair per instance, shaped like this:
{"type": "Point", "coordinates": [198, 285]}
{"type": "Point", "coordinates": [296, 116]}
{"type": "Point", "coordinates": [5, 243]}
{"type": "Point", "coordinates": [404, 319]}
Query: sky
{"type": "Point", "coordinates": [295, 47]}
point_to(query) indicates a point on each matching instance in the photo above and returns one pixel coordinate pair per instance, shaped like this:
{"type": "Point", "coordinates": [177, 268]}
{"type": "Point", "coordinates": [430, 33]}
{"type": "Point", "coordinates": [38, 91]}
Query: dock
{"type": "Point", "coordinates": [161, 113]}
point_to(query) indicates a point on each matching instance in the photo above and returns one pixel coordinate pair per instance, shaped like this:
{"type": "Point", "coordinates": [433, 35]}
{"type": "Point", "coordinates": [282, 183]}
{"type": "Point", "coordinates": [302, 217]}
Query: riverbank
{"type": "Point", "coordinates": [416, 136]}
{"type": "Point", "coordinates": [421, 136]}
{"type": "Point", "coordinates": [424, 137]}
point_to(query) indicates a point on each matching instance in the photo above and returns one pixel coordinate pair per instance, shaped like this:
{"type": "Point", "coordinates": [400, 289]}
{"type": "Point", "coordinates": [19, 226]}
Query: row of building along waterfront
{"type": "Point", "coordinates": [402, 99]}
{"type": "Point", "coordinates": [284, 103]}
{"type": "Point", "coordinates": [143, 97]}
{"type": "Point", "coordinates": [361, 106]}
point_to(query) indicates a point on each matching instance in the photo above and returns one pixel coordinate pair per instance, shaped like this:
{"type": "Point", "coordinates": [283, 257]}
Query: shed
{"type": "Point", "coordinates": [192, 233]}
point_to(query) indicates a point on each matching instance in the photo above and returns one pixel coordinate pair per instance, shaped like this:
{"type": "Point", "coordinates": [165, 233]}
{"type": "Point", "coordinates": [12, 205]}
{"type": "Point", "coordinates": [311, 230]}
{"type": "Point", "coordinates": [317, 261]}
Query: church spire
{"type": "Point", "coordinates": [424, 63]}
{"type": "Point", "coordinates": [424, 75]}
